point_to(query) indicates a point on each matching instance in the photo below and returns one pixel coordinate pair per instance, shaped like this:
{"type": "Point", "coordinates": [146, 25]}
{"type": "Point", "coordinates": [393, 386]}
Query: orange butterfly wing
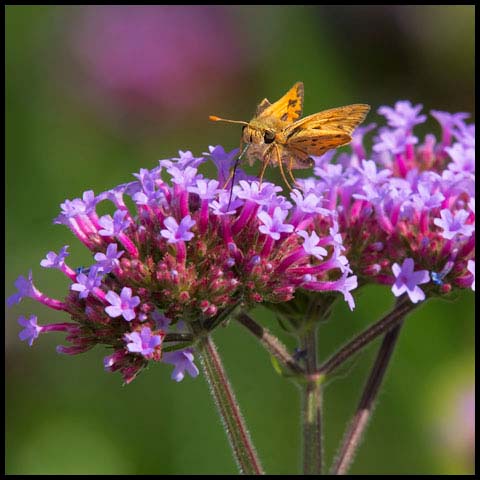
{"type": "Point", "coordinates": [318, 133]}
{"type": "Point", "coordinates": [287, 109]}
{"type": "Point", "coordinates": [262, 106]}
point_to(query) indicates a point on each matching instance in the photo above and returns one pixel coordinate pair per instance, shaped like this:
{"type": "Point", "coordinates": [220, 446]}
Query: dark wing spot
{"type": "Point", "coordinates": [338, 136]}
{"type": "Point", "coordinates": [284, 117]}
{"type": "Point", "coordinates": [292, 102]}
{"type": "Point", "coordinates": [340, 127]}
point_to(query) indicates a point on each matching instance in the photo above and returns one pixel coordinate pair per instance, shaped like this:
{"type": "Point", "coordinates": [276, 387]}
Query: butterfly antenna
{"type": "Point", "coordinates": [214, 118]}
{"type": "Point", "coordinates": [237, 161]}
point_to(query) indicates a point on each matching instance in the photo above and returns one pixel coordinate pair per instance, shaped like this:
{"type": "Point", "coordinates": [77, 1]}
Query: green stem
{"type": "Point", "coordinates": [363, 413]}
{"type": "Point", "coordinates": [311, 406]}
{"type": "Point", "coordinates": [401, 309]}
{"type": "Point", "coordinates": [224, 397]}
{"type": "Point", "coordinates": [178, 337]}
{"type": "Point", "coordinates": [271, 343]}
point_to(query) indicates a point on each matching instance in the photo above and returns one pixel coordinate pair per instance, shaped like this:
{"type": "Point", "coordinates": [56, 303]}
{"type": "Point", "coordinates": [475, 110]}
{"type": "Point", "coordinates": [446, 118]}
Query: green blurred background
{"type": "Point", "coordinates": [94, 94]}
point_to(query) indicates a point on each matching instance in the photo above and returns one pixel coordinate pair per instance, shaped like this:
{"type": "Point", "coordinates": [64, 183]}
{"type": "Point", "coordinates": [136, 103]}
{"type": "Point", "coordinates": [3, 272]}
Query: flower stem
{"type": "Point", "coordinates": [271, 343]}
{"type": "Point", "coordinates": [401, 309]}
{"type": "Point", "coordinates": [224, 397]}
{"type": "Point", "coordinates": [178, 337]}
{"type": "Point", "coordinates": [362, 415]}
{"type": "Point", "coordinates": [311, 406]}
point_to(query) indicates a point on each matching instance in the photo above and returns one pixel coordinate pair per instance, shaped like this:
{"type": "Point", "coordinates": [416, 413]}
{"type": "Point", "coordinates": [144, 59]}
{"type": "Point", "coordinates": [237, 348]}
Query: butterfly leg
{"type": "Point", "coordinates": [266, 161]}
{"type": "Point", "coordinates": [279, 160]}
{"type": "Point", "coordinates": [289, 170]}
{"type": "Point", "coordinates": [231, 176]}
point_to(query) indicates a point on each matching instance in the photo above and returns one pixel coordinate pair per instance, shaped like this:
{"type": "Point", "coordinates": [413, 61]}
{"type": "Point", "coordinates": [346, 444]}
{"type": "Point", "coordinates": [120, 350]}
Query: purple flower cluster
{"type": "Point", "coordinates": [188, 251]}
{"type": "Point", "coordinates": [193, 248]}
{"type": "Point", "coordinates": [406, 213]}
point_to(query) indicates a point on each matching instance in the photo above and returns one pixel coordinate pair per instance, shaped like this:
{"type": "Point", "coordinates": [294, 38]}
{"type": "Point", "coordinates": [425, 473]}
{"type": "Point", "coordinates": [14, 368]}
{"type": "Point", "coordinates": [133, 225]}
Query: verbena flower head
{"type": "Point", "coordinates": [177, 253]}
{"type": "Point", "coordinates": [406, 211]}
{"type": "Point", "coordinates": [188, 250]}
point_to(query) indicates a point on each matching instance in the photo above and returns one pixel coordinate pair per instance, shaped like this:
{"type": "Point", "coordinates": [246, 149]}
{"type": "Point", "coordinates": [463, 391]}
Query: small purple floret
{"type": "Point", "coordinates": [183, 176]}
{"type": "Point", "coordinates": [25, 289]}
{"type": "Point", "coordinates": [54, 260]}
{"type": "Point", "coordinates": [225, 204]}
{"type": "Point", "coordinates": [404, 115]}
{"type": "Point", "coordinates": [87, 283]}
{"type": "Point", "coordinates": [253, 191]}
{"type": "Point", "coordinates": [407, 280]}
{"type": "Point", "coordinates": [273, 225]}
{"type": "Point", "coordinates": [143, 342]}
{"type": "Point", "coordinates": [183, 361]}
{"type": "Point", "coordinates": [393, 141]}
{"type": "Point", "coordinates": [204, 188]}
{"type": "Point", "coordinates": [123, 304]}
{"type": "Point", "coordinates": [454, 224]}
{"type": "Point", "coordinates": [109, 260]}
{"type": "Point", "coordinates": [310, 245]}
{"type": "Point", "coordinates": [31, 330]}
{"type": "Point", "coordinates": [113, 226]}
{"type": "Point", "coordinates": [175, 232]}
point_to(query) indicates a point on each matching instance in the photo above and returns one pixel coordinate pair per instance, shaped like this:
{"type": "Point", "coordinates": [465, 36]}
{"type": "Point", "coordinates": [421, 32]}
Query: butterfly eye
{"type": "Point", "coordinates": [269, 136]}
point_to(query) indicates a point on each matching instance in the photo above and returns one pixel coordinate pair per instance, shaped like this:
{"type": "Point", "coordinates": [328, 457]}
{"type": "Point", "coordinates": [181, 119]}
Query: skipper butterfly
{"type": "Point", "coordinates": [277, 135]}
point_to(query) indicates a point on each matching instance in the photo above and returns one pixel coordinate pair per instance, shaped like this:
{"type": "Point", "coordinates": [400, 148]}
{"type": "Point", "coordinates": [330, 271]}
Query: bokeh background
{"type": "Point", "coordinates": [95, 93]}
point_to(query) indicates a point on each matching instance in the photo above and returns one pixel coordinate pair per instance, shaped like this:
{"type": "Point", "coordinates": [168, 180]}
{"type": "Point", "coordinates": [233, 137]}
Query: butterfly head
{"type": "Point", "coordinates": [257, 135]}
{"type": "Point", "coordinates": [255, 132]}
